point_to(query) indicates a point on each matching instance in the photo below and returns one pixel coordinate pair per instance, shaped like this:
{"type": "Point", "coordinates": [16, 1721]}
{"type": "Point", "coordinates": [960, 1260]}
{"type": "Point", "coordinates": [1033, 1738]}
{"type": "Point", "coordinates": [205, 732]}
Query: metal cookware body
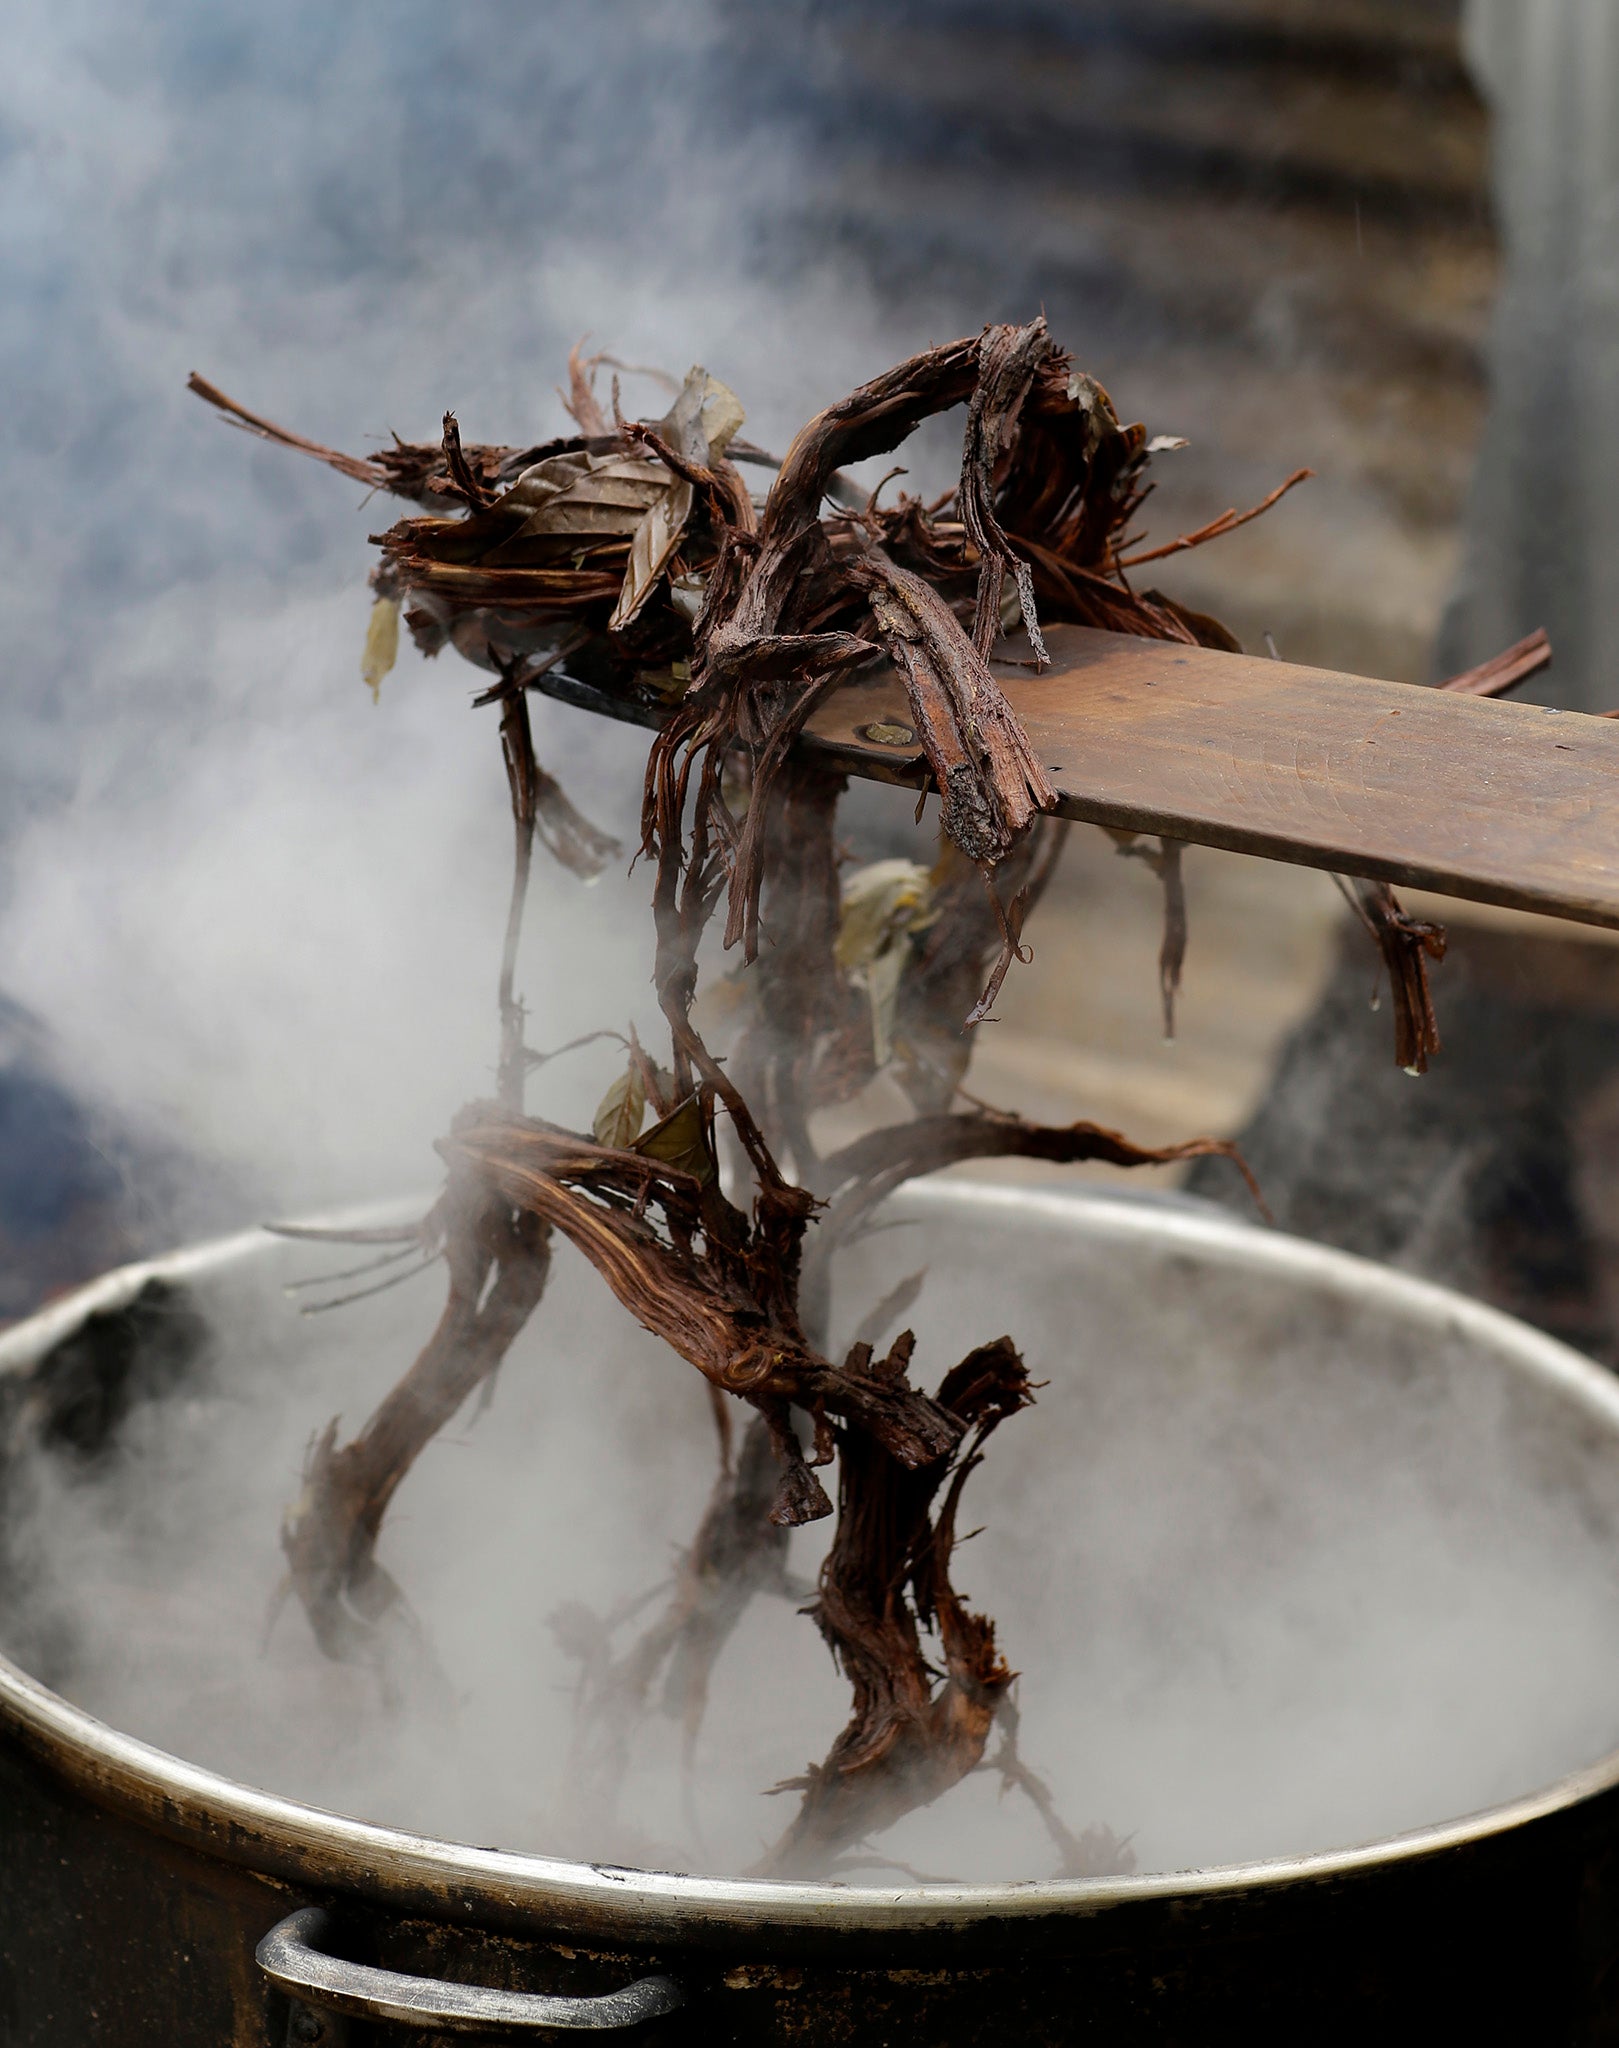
{"type": "Point", "coordinates": [136, 1889]}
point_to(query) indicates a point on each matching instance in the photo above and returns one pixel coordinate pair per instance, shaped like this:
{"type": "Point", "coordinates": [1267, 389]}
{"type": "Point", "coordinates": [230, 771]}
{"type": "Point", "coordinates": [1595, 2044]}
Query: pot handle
{"type": "Point", "coordinates": [292, 1955]}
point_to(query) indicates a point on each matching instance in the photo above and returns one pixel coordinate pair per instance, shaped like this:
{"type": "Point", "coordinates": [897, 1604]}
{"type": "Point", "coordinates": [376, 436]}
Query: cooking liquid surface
{"type": "Point", "coordinates": [1282, 1570]}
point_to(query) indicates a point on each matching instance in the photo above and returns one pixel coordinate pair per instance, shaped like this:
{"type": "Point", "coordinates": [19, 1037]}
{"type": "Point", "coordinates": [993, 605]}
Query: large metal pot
{"type": "Point", "coordinates": [146, 1900]}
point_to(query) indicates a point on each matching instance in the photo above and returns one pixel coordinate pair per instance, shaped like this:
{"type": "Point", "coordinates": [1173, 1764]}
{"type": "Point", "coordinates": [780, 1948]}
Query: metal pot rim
{"type": "Point", "coordinates": [309, 1845]}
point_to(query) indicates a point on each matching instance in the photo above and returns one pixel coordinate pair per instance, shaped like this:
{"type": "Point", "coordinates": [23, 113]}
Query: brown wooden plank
{"type": "Point", "coordinates": [1499, 802]}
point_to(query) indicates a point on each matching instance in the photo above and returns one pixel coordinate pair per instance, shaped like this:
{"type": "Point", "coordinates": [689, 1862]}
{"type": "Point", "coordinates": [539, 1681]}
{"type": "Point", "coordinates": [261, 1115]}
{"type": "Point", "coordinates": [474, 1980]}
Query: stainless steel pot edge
{"type": "Point", "coordinates": [30, 1339]}
{"type": "Point", "coordinates": [309, 1846]}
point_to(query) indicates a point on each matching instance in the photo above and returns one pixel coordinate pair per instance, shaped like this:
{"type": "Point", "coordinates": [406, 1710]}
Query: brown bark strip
{"type": "Point", "coordinates": [1007, 360]}
{"type": "Point", "coordinates": [757, 625]}
{"type": "Point", "coordinates": [1228, 522]}
{"type": "Point", "coordinates": [866, 1172]}
{"type": "Point", "coordinates": [1506, 670]}
{"type": "Point", "coordinates": [472, 487]}
{"type": "Point", "coordinates": [1164, 858]}
{"type": "Point", "coordinates": [538, 803]}
{"type": "Point", "coordinates": [991, 784]}
{"type": "Point", "coordinates": [1407, 944]}
{"type": "Point", "coordinates": [809, 1039]}
{"type": "Point", "coordinates": [1172, 951]}
{"type": "Point", "coordinates": [958, 957]}
{"type": "Point", "coordinates": [498, 1264]}
{"type": "Point", "coordinates": [1010, 918]}
{"type": "Point", "coordinates": [363, 472]}
{"type": "Point", "coordinates": [886, 1583]}
{"type": "Point", "coordinates": [728, 1308]}
{"type": "Point", "coordinates": [581, 400]}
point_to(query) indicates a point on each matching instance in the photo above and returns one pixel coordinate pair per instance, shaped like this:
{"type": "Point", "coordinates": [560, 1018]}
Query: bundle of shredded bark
{"type": "Point", "coordinates": [631, 564]}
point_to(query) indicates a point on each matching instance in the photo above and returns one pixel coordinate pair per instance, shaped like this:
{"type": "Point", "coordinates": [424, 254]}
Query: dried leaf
{"type": "Point", "coordinates": [381, 644]}
{"type": "Point", "coordinates": [881, 903]}
{"type": "Point", "coordinates": [578, 494]}
{"type": "Point", "coordinates": [681, 1139]}
{"type": "Point", "coordinates": [882, 906]}
{"type": "Point", "coordinates": [703, 418]}
{"type": "Point", "coordinates": [620, 1112]}
{"type": "Point", "coordinates": [651, 547]}
{"type": "Point", "coordinates": [721, 416]}
{"type": "Point", "coordinates": [882, 979]}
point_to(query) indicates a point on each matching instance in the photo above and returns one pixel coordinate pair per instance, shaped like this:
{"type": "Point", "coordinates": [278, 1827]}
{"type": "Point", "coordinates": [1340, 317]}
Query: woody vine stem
{"type": "Point", "coordinates": [631, 559]}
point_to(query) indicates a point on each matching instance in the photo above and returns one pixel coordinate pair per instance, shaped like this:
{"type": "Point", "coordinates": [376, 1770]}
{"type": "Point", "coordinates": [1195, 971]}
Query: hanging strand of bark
{"type": "Point", "coordinates": [498, 1263]}
{"type": "Point", "coordinates": [1164, 858]}
{"type": "Point", "coordinates": [884, 1590]}
{"type": "Point", "coordinates": [1407, 945]}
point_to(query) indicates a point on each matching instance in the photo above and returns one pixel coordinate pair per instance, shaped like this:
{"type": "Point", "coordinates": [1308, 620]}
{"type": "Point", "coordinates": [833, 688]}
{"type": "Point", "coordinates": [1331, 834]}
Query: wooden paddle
{"type": "Point", "coordinates": [1467, 795]}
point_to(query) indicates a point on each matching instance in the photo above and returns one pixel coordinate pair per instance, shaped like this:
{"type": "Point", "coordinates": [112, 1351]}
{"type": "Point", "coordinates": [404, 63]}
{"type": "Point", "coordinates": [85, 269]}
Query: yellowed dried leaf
{"type": "Point", "coordinates": [653, 543]}
{"type": "Point", "coordinates": [703, 418]}
{"type": "Point", "coordinates": [882, 906]}
{"type": "Point", "coordinates": [881, 902]}
{"type": "Point", "coordinates": [583, 495]}
{"type": "Point", "coordinates": [721, 415]}
{"type": "Point", "coordinates": [618, 1117]}
{"type": "Point", "coordinates": [381, 649]}
{"type": "Point", "coordinates": [681, 1139]}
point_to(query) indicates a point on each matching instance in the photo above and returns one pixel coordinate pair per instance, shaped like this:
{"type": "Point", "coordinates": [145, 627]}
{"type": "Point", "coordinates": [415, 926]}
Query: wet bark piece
{"type": "Point", "coordinates": [1008, 358]}
{"type": "Point", "coordinates": [989, 777]}
{"type": "Point", "coordinates": [1407, 944]}
{"type": "Point", "coordinates": [955, 958]}
{"type": "Point", "coordinates": [498, 1262]}
{"type": "Point", "coordinates": [1164, 858]}
{"type": "Point", "coordinates": [719, 1287]}
{"type": "Point", "coordinates": [869, 1169]}
{"type": "Point", "coordinates": [920, 1721]}
{"type": "Point", "coordinates": [808, 1039]}
{"type": "Point", "coordinates": [760, 649]}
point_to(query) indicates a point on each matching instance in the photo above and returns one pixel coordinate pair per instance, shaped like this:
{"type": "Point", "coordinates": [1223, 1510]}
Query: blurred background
{"type": "Point", "coordinates": [1380, 238]}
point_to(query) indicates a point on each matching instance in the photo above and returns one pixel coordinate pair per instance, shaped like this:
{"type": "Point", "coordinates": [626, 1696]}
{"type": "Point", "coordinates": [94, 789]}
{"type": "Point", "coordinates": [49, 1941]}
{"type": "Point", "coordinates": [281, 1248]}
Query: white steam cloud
{"type": "Point", "coordinates": [265, 917]}
{"type": "Point", "coordinates": [255, 911]}
{"type": "Point", "coordinates": [1283, 1568]}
